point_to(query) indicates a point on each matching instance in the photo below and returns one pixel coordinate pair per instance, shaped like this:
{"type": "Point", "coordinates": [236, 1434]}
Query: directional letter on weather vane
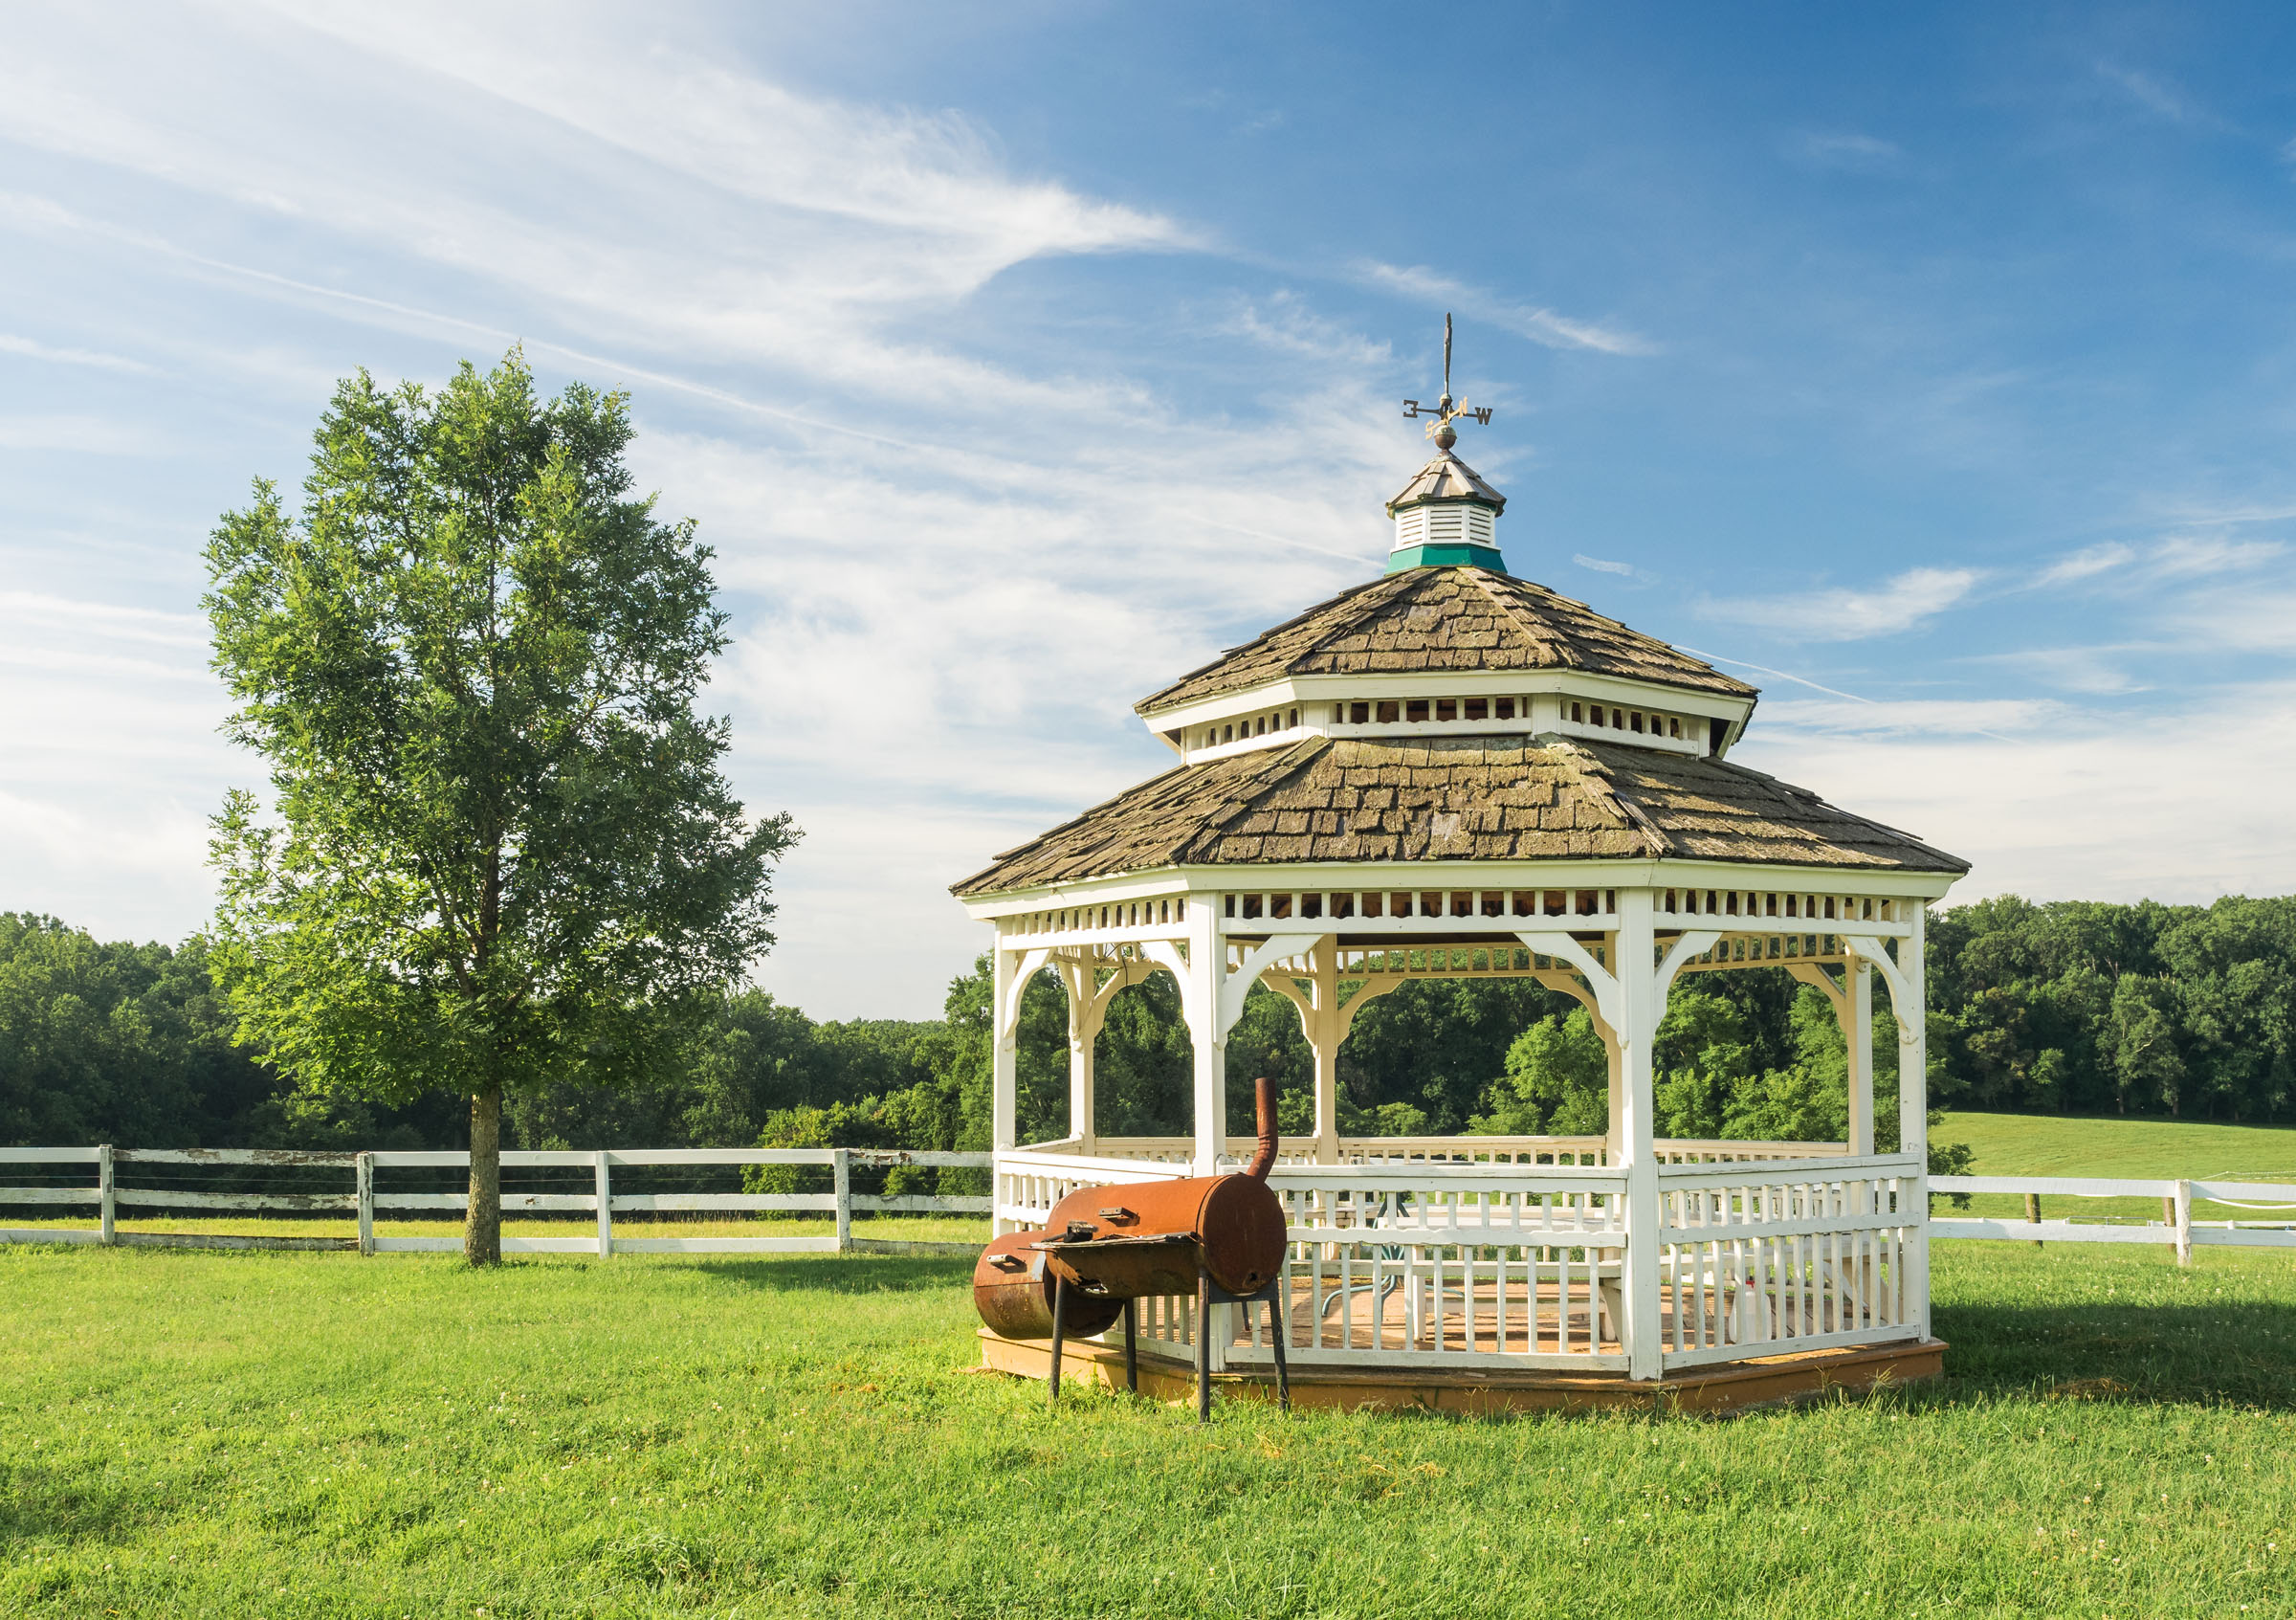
{"type": "Point", "coordinates": [1447, 410]}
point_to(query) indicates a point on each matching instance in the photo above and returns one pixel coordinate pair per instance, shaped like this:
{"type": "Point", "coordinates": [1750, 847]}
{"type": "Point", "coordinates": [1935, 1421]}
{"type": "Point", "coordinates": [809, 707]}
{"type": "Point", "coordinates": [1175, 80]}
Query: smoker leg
{"type": "Point", "coordinates": [1279, 1329]}
{"type": "Point", "coordinates": [1203, 1347]}
{"type": "Point", "coordinates": [1131, 1349]}
{"type": "Point", "coordinates": [1060, 1312]}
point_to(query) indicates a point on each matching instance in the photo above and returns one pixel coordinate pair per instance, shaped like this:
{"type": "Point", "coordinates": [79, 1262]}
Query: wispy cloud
{"type": "Point", "coordinates": [2152, 92]}
{"type": "Point", "coordinates": [34, 349]}
{"type": "Point", "coordinates": [1285, 321]}
{"type": "Point", "coordinates": [2085, 564]}
{"type": "Point", "coordinates": [1935, 716]}
{"type": "Point", "coordinates": [2054, 806]}
{"type": "Point", "coordinates": [2187, 557]}
{"type": "Point", "coordinates": [77, 434]}
{"type": "Point", "coordinates": [2099, 670]}
{"type": "Point", "coordinates": [1902, 603]}
{"type": "Point", "coordinates": [1844, 151]}
{"type": "Point", "coordinates": [1539, 324]}
{"type": "Point", "coordinates": [1601, 566]}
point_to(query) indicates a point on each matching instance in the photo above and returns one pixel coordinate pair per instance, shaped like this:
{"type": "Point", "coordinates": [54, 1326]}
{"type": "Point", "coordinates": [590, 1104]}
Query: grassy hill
{"type": "Point", "coordinates": [2049, 1144]}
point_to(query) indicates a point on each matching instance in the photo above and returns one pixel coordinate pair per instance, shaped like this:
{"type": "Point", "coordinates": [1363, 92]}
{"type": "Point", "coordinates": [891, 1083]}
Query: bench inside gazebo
{"type": "Point", "coordinates": [1452, 772]}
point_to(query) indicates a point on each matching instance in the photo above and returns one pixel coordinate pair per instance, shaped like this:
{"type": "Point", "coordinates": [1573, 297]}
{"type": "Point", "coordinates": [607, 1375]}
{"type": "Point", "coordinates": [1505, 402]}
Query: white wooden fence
{"type": "Point", "coordinates": [2175, 1227]}
{"type": "Point", "coordinates": [360, 1199]}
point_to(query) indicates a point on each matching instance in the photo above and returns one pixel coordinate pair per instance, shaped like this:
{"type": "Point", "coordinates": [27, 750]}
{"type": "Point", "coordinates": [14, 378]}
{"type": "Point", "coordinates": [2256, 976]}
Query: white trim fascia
{"type": "Point", "coordinates": [1283, 739]}
{"type": "Point", "coordinates": [1288, 690]}
{"type": "Point", "coordinates": [1364, 876]}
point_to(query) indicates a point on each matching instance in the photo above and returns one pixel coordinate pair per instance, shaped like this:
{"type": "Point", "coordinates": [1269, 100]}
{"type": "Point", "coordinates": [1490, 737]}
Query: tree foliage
{"type": "Point", "coordinates": [499, 852]}
{"type": "Point", "coordinates": [2089, 1007]}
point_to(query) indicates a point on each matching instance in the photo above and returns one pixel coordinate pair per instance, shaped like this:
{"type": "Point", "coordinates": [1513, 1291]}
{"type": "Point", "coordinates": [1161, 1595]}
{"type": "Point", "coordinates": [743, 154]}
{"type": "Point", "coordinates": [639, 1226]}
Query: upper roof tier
{"type": "Point", "coordinates": [1447, 477]}
{"type": "Point", "coordinates": [1473, 798]}
{"type": "Point", "coordinates": [1444, 618]}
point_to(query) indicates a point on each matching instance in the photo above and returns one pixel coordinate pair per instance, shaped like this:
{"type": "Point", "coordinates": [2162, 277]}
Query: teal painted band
{"type": "Point", "coordinates": [1445, 557]}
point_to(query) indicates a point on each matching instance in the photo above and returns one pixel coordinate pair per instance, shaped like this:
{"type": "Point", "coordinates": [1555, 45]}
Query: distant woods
{"type": "Point", "coordinates": [2075, 1005]}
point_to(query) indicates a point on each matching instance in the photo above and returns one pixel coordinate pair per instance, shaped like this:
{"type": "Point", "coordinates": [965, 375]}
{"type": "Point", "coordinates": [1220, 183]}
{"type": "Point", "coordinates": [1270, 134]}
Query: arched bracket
{"type": "Point", "coordinates": [1009, 1016]}
{"type": "Point", "coordinates": [1695, 943]}
{"type": "Point", "coordinates": [1088, 1003]}
{"type": "Point", "coordinates": [1902, 998]}
{"type": "Point", "coordinates": [1598, 978]}
{"type": "Point", "coordinates": [1256, 962]}
{"type": "Point", "coordinates": [1173, 958]}
{"type": "Point", "coordinates": [1818, 979]}
{"type": "Point", "coordinates": [1283, 984]}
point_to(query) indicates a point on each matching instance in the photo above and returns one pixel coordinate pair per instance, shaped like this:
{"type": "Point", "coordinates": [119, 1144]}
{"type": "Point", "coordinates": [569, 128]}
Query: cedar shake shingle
{"type": "Point", "coordinates": [1445, 618]}
{"type": "Point", "coordinates": [1524, 798]}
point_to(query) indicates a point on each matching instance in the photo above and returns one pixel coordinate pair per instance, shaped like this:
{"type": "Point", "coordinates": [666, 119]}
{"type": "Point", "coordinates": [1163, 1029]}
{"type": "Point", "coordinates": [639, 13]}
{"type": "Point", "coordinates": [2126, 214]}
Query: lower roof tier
{"type": "Point", "coordinates": [1464, 798]}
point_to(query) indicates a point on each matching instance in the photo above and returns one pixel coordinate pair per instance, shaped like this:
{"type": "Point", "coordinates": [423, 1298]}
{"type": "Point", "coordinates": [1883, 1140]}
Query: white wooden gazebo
{"type": "Point", "coordinates": [1452, 771]}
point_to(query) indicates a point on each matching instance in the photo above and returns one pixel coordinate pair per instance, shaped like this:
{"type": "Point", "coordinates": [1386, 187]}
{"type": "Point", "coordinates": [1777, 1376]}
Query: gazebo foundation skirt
{"type": "Point", "coordinates": [1760, 1381]}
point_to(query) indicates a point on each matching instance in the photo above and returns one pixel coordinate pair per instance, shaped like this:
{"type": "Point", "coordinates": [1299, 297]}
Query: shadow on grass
{"type": "Point", "coordinates": [2186, 1352]}
{"type": "Point", "coordinates": [838, 1274]}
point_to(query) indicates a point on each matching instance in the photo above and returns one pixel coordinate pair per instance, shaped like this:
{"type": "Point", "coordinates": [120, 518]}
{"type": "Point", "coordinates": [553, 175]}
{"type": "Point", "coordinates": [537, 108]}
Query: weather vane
{"type": "Point", "coordinates": [1447, 410]}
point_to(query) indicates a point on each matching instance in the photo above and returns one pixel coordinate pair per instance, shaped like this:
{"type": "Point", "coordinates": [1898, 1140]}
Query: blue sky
{"type": "Point", "coordinates": [1933, 366]}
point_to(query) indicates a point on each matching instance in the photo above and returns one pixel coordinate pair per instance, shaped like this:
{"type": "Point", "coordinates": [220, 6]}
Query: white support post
{"type": "Point", "coordinates": [1914, 1108]}
{"type": "Point", "coordinates": [1207, 981]}
{"type": "Point", "coordinates": [1614, 1138]}
{"type": "Point", "coordinates": [1004, 1044]}
{"type": "Point", "coordinates": [1088, 1011]}
{"type": "Point", "coordinates": [2184, 1223]}
{"type": "Point", "coordinates": [1083, 1037]}
{"type": "Point", "coordinates": [103, 1195]}
{"type": "Point", "coordinates": [1324, 1041]}
{"type": "Point", "coordinates": [1642, 1002]}
{"type": "Point", "coordinates": [841, 1176]}
{"type": "Point", "coordinates": [606, 1204]}
{"type": "Point", "coordinates": [1860, 1034]}
{"type": "Point", "coordinates": [364, 1166]}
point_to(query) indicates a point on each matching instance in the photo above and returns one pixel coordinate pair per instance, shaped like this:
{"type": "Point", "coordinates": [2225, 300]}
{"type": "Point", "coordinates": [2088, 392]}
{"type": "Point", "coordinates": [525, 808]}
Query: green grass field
{"type": "Point", "coordinates": [202, 1434]}
{"type": "Point", "coordinates": [2044, 1144]}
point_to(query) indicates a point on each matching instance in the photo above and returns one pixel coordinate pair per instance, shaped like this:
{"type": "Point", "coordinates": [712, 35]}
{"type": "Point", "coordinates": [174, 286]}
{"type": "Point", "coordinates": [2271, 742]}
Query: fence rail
{"type": "Point", "coordinates": [362, 1201]}
{"type": "Point", "coordinates": [2176, 1227]}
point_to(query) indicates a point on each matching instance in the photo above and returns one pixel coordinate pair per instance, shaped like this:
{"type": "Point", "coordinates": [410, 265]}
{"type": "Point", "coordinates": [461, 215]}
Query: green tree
{"type": "Point", "coordinates": [1557, 1083]}
{"type": "Point", "coordinates": [499, 850]}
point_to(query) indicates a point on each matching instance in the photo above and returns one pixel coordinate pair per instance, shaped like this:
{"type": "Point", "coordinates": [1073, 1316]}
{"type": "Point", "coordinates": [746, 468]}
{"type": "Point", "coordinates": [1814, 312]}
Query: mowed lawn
{"type": "Point", "coordinates": [193, 1432]}
{"type": "Point", "coordinates": [2045, 1145]}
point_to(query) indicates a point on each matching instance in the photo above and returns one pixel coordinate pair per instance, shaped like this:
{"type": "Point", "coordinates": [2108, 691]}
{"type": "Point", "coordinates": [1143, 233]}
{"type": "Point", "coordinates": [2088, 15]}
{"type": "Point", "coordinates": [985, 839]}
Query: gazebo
{"type": "Point", "coordinates": [1450, 772]}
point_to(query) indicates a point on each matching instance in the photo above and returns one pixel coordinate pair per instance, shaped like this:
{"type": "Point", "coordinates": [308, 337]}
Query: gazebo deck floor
{"type": "Point", "coordinates": [1484, 1390]}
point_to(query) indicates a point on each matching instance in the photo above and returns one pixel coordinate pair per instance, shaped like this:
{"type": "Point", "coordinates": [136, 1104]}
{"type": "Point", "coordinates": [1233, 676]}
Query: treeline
{"type": "Point", "coordinates": [2072, 1006]}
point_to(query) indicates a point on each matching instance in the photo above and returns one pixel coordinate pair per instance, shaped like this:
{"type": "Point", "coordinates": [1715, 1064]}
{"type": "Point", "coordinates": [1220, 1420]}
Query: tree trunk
{"type": "Point", "coordinates": [482, 1222]}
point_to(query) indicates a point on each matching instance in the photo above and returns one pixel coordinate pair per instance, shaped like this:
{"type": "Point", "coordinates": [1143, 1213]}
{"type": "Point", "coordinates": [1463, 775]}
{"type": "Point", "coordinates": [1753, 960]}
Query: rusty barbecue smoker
{"type": "Point", "coordinates": [1103, 1248]}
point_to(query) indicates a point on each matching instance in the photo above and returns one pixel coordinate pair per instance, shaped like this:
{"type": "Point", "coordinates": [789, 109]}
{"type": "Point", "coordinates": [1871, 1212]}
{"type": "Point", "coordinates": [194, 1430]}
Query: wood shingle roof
{"type": "Point", "coordinates": [1467, 798]}
{"type": "Point", "coordinates": [1445, 618]}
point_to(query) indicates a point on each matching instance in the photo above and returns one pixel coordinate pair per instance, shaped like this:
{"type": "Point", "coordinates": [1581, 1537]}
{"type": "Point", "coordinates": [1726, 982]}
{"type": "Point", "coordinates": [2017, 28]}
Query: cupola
{"type": "Point", "coordinates": [1447, 515]}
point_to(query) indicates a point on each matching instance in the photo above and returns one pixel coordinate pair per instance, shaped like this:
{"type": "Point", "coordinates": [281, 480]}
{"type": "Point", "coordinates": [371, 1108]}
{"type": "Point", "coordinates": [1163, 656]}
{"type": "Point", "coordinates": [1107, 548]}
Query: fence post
{"type": "Point", "coordinates": [364, 1165]}
{"type": "Point", "coordinates": [2184, 1223]}
{"type": "Point", "coordinates": [103, 1194]}
{"type": "Point", "coordinates": [2033, 1211]}
{"type": "Point", "coordinates": [605, 1205]}
{"type": "Point", "coordinates": [841, 1170]}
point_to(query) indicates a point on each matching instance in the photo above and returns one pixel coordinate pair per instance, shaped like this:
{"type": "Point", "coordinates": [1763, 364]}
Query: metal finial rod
{"type": "Point", "coordinates": [1445, 410]}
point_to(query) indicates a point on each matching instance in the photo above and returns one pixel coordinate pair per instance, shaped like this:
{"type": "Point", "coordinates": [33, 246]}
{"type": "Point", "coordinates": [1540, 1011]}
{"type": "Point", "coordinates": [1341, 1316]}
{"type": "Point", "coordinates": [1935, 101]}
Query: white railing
{"type": "Point", "coordinates": [362, 1201]}
{"type": "Point", "coordinates": [1492, 1264]}
{"type": "Point", "coordinates": [2176, 1228]}
{"type": "Point", "coordinates": [1761, 1261]}
{"type": "Point", "coordinates": [1582, 1150]}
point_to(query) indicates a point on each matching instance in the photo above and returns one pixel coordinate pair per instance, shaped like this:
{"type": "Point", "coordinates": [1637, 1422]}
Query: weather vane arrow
{"type": "Point", "coordinates": [1447, 410]}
